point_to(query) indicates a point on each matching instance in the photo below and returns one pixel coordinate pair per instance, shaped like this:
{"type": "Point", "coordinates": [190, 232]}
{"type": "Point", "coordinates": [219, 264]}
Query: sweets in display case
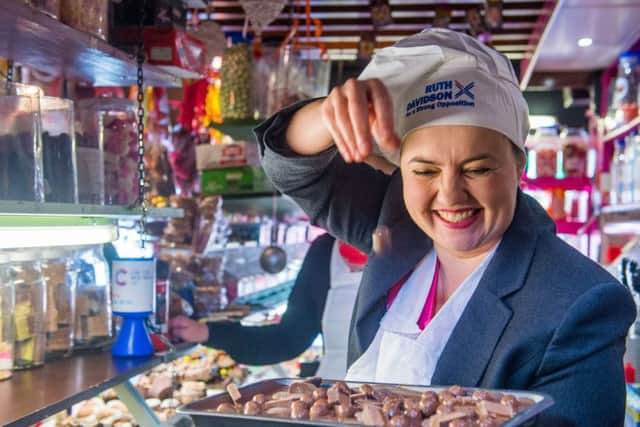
{"type": "Point", "coordinates": [93, 325]}
{"type": "Point", "coordinates": [30, 310]}
{"type": "Point", "coordinates": [6, 320]}
{"type": "Point", "coordinates": [60, 277]}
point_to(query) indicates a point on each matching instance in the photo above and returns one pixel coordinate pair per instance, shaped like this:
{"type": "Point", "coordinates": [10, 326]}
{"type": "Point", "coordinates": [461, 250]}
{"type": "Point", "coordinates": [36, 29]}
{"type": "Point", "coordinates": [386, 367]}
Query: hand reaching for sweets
{"type": "Point", "coordinates": [189, 330]}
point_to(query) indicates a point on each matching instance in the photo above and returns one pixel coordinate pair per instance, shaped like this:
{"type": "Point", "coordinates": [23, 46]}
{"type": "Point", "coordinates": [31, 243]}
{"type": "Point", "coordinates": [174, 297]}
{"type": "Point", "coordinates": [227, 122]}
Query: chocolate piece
{"type": "Point", "coordinates": [299, 411]}
{"type": "Point", "coordinates": [226, 408]}
{"type": "Point", "coordinates": [444, 409]}
{"type": "Point", "coordinates": [446, 397]}
{"type": "Point", "coordinates": [307, 399]}
{"type": "Point", "coordinates": [428, 406]}
{"type": "Point", "coordinates": [319, 409]}
{"type": "Point", "coordinates": [302, 387]}
{"type": "Point", "coordinates": [278, 411]}
{"type": "Point", "coordinates": [334, 395]}
{"type": "Point", "coordinates": [285, 395]}
{"type": "Point", "coordinates": [524, 403]}
{"type": "Point", "coordinates": [486, 408]}
{"type": "Point", "coordinates": [259, 398]}
{"type": "Point", "coordinates": [487, 422]}
{"type": "Point", "coordinates": [457, 390]}
{"type": "Point", "coordinates": [462, 422]}
{"type": "Point", "coordinates": [413, 413]}
{"type": "Point", "coordinates": [345, 411]}
{"type": "Point", "coordinates": [391, 407]}
{"type": "Point", "coordinates": [399, 421]}
{"type": "Point", "coordinates": [443, 420]}
{"type": "Point", "coordinates": [372, 416]}
{"type": "Point", "coordinates": [509, 401]}
{"type": "Point", "coordinates": [278, 403]}
{"type": "Point", "coordinates": [429, 395]}
{"type": "Point", "coordinates": [411, 404]}
{"type": "Point", "coordinates": [233, 391]}
{"type": "Point", "coordinates": [320, 393]}
{"type": "Point", "coordinates": [252, 408]}
{"type": "Point", "coordinates": [161, 387]}
{"type": "Point", "coordinates": [367, 390]}
{"type": "Point", "coordinates": [467, 409]}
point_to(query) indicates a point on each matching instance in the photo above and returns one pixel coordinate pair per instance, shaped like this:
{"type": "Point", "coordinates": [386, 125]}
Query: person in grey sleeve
{"type": "Point", "coordinates": [466, 281]}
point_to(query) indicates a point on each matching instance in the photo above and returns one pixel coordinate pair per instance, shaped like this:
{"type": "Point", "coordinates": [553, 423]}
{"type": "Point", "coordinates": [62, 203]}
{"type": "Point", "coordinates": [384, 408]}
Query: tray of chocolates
{"type": "Point", "coordinates": [317, 402]}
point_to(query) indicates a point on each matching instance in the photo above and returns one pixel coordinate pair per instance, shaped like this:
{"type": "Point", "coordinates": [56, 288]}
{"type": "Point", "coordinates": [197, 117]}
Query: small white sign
{"type": "Point", "coordinates": [133, 285]}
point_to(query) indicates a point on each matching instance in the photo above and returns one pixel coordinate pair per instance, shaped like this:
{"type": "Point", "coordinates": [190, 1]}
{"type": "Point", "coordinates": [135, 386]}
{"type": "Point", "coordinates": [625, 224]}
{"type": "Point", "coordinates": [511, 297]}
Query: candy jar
{"type": "Point", "coordinates": [575, 152]}
{"type": "Point", "coordinates": [20, 143]}
{"type": "Point", "coordinates": [93, 299]}
{"type": "Point", "coordinates": [58, 150]}
{"type": "Point", "coordinates": [30, 311]}
{"type": "Point", "coordinates": [110, 126]}
{"type": "Point", "coordinates": [90, 16]}
{"type": "Point", "coordinates": [6, 320]}
{"type": "Point", "coordinates": [60, 275]}
{"type": "Point", "coordinates": [543, 153]}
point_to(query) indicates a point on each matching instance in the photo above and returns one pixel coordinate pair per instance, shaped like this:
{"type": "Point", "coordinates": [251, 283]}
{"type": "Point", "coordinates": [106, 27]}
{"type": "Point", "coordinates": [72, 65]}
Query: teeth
{"type": "Point", "coordinates": [456, 216]}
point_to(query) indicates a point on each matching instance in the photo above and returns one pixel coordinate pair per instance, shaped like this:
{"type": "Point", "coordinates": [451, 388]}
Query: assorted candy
{"type": "Point", "coordinates": [379, 405]}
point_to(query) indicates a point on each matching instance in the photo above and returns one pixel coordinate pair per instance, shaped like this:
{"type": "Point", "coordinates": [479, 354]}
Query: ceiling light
{"type": "Point", "coordinates": [33, 237]}
{"type": "Point", "coordinates": [540, 121]}
{"type": "Point", "coordinates": [585, 42]}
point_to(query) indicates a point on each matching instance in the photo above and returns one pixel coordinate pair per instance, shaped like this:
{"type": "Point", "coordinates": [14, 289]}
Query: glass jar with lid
{"type": "Point", "coordinates": [6, 320]}
{"type": "Point", "coordinates": [623, 107]}
{"type": "Point", "coordinates": [90, 16]}
{"type": "Point", "coordinates": [58, 150]}
{"type": "Point", "coordinates": [93, 299]}
{"type": "Point", "coordinates": [110, 125]}
{"type": "Point", "coordinates": [20, 143]}
{"type": "Point", "coordinates": [30, 310]}
{"type": "Point", "coordinates": [60, 275]}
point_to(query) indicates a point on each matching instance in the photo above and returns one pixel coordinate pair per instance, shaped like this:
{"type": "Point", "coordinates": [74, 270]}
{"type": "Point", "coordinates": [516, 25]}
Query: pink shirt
{"type": "Point", "coordinates": [429, 308]}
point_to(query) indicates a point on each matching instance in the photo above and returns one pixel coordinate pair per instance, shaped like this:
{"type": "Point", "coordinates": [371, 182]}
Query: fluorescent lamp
{"type": "Point", "coordinates": [539, 121]}
{"type": "Point", "coordinates": [585, 42]}
{"type": "Point", "coordinates": [35, 237]}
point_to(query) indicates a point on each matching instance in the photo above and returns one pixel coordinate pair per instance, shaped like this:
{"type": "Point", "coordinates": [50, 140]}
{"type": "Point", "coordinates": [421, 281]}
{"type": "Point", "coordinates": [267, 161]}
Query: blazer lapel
{"type": "Point", "coordinates": [473, 340]}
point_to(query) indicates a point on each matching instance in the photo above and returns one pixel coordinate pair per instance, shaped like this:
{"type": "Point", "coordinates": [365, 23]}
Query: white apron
{"type": "Point", "coordinates": [402, 354]}
{"type": "Point", "coordinates": [336, 318]}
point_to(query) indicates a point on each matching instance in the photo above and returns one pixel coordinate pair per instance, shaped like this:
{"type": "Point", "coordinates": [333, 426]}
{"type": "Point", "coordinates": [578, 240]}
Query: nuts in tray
{"type": "Point", "coordinates": [380, 405]}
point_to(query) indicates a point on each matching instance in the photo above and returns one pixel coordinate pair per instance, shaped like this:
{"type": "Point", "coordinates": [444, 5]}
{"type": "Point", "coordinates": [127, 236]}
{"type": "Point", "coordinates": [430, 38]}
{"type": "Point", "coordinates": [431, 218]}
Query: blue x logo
{"type": "Point", "coordinates": [466, 90]}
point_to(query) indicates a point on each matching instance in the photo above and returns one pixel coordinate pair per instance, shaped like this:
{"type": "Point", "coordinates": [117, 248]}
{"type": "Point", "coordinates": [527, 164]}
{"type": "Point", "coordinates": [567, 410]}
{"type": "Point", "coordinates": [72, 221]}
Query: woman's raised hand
{"type": "Point", "coordinates": [351, 117]}
{"type": "Point", "coordinates": [357, 113]}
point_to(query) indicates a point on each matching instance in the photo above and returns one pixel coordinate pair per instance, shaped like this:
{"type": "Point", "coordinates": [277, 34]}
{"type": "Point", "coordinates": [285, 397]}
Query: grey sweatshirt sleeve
{"type": "Point", "coordinates": [345, 199]}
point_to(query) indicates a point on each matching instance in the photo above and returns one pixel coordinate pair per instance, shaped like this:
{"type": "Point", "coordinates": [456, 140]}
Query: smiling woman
{"type": "Point", "coordinates": [474, 287]}
{"type": "Point", "coordinates": [462, 195]}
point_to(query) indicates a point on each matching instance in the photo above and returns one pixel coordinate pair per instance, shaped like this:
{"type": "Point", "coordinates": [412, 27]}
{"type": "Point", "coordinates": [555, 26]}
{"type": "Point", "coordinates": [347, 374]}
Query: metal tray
{"type": "Point", "coordinates": [202, 411]}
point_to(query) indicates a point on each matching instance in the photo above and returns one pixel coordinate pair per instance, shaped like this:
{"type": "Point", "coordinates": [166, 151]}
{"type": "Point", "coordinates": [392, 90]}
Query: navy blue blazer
{"type": "Point", "coordinates": [543, 318]}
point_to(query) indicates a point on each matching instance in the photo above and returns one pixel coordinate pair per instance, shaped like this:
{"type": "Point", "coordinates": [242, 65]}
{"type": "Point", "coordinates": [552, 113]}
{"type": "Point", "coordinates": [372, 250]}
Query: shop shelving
{"type": "Point", "coordinates": [69, 210]}
{"type": "Point", "coordinates": [550, 183]}
{"type": "Point", "coordinates": [30, 225]}
{"type": "Point", "coordinates": [241, 130]}
{"type": "Point", "coordinates": [35, 394]}
{"type": "Point", "coordinates": [622, 131]}
{"type": "Point", "coordinates": [32, 38]}
{"type": "Point", "coordinates": [621, 219]}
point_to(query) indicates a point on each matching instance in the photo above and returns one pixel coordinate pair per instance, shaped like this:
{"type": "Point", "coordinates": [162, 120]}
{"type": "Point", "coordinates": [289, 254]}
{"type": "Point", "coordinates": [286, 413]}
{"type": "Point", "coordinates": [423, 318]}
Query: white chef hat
{"type": "Point", "coordinates": [443, 77]}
